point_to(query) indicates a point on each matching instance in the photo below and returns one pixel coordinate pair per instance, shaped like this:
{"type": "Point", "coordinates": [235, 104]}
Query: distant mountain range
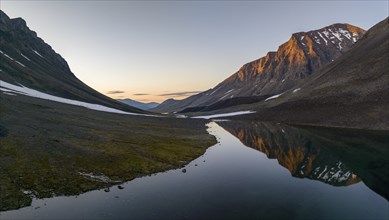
{"type": "Point", "coordinates": [295, 60]}
{"type": "Point", "coordinates": [137, 104]}
{"type": "Point", "coordinates": [27, 60]}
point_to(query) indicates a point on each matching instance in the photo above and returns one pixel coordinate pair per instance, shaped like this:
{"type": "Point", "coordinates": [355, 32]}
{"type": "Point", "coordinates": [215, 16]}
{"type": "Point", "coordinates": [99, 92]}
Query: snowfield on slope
{"type": "Point", "coordinates": [274, 97]}
{"type": "Point", "coordinates": [8, 88]}
{"type": "Point", "coordinates": [224, 114]}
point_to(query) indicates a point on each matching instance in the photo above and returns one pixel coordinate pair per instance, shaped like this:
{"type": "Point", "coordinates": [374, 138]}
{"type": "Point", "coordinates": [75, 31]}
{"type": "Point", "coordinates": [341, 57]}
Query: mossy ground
{"type": "Point", "coordinates": [45, 145]}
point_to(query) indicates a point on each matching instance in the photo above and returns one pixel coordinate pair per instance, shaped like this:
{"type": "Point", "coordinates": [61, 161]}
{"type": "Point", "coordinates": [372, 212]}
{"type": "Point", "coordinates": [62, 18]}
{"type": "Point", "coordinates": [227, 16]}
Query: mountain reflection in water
{"type": "Point", "coordinates": [339, 157]}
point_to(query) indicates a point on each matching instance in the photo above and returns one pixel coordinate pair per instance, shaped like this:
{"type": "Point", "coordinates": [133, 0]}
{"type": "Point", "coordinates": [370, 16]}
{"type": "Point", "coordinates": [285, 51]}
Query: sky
{"type": "Point", "coordinates": [155, 50]}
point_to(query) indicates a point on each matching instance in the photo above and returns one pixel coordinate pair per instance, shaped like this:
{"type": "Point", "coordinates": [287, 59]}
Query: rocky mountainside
{"type": "Point", "coordinates": [352, 91]}
{"type": "Point", "coordinates": [140, 105]}
{"type": "Point", "coordinates": [298, 58]}
{"type": "Point", "coordinates": [27, 60]}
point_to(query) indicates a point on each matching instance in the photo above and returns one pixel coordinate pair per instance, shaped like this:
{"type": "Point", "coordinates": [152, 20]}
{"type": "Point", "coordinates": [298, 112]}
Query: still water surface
{"type": "Point", "coordinates": [311, 174]}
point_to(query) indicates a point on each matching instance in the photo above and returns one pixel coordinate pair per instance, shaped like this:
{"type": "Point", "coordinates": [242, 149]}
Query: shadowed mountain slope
{"type": "Point", "coordinates": [140, 105]}
{"type": "Point", "coordinates": [27, 60]}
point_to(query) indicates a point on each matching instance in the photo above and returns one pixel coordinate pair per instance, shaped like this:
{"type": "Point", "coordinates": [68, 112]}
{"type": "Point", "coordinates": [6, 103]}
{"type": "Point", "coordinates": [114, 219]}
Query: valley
{"type": "Point", "coordinates": [257, 170]}
{"type": "Point", "coordinates": [46, 147]}
{"type": "Point", "coordinates": [301, 132]}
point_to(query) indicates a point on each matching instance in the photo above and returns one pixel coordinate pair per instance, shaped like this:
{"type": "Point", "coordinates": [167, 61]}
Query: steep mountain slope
{"type": "Point", "coordinates": [140, 105]}
{"type": "Point", "coordinates": [362, 71]}
{"type": "Point", "coordinates": [352, 91]}
{"type": "Point", "coordinates": [27, 60]}
{"type": "Point", "coordinates": [299, 57]}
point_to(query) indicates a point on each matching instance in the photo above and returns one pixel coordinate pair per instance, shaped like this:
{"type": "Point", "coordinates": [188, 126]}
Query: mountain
{"type": "Point", "coordinates": [295, 60]}
{"type": "Point", "coordinates": [303, 156]}
{"type": "Point", "coordinates": [338, 157]}
{"type": "Point", "coordinates": [140, 105]}
{"type": "Point", "coordinates": [352, 91]}
{"type": "Point", "coordinates": [27, 60]}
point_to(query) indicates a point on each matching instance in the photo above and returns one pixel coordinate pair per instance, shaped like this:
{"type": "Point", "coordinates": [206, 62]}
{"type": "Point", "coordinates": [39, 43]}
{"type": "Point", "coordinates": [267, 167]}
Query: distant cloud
{"type": "Point", "coordinates": [115, 92]}
{"type": "Point", "coordinates": [140, 94]}
{"type": "Point", "coordinates": [186, 93]}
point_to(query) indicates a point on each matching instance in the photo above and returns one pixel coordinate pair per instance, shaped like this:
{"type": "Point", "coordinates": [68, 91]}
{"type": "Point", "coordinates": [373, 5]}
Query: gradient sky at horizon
{"type": "Point", "coordinates": [155, 50]}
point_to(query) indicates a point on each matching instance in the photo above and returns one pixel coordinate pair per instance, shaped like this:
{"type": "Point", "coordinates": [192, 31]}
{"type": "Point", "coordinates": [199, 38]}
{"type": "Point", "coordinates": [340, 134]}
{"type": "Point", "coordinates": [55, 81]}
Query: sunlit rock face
{"type": "Point", "coordinates": [296, 59]}
{"type": "Point", "coordinates": [299, 57]}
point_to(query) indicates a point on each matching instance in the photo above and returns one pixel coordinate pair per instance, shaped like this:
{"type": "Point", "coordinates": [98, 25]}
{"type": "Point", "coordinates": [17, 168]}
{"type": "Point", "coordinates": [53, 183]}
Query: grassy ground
{"type": "Point", "coordinates": [46, 145]}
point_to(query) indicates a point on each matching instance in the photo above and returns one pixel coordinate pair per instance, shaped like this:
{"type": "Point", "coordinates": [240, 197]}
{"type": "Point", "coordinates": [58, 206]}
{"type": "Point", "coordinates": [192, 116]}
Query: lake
{"type": "Point", "coordinates": [257, 171]}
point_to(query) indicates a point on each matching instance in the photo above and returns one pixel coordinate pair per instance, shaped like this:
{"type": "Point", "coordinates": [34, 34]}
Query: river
{"type": "Point", "coordinates": [256, 171]}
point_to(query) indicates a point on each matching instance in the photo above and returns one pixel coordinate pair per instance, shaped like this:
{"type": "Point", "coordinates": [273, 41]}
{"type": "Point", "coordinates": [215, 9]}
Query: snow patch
{"type": "Point", "coordinates": [6, 90]}
{"type": "Point", "coordinates": [8, 93]}
{"type": "Point", "coordinates": [27, 192]}
{"type": "Point", "coordinates": [224, 96]}
{"type": "Point", "coordinates": [296, 90]}
{"type": "Point", "coordinates": [355, 37]}
{"type": "Point", "coordinates": [337, 35]}
{"type": "Point", "coordinates": [323, 38]}
{"type": "Point", "coordinates": [345, 33]}
{"type": "Point", "coordinates": [274, 96]}
{"type": "Point", "coordinates": [224, 114]}
{"type": "Point", "coordinates": [340, 46]}
{"type": "Point", "coordinates": [229, 91]}
{"type": "Point", "coordinates": [335, 176]}
{"type": "Point", "coordinates": [34, 93]}
{"type": "Point", "coordinates": [325, 169]}
{"type": "Point", "coordinates": [6, 55]}
{"type": "Point", "coordinates": [214, 91]}
{"type": "Point", "coordinates": [327, 34]}
{"type": "Point", "coordinates": [345, 177]}
{"type": "Point", "coordinates": [38, 53]}
{"type": "Point", "coordinates": [25, 57]}
{"type": "Point", "coordinates": [21, 64]}
{"type": "Point", "coordinates": [316, 170]}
